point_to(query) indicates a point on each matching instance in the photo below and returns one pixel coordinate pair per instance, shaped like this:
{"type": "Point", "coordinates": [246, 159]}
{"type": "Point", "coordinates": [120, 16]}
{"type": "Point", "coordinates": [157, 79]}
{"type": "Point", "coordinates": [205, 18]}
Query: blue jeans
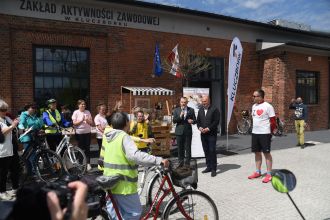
{"type": "Point", "coordinates": [129, 207]}
{"type": "Point", "coordinates": [31, 159]}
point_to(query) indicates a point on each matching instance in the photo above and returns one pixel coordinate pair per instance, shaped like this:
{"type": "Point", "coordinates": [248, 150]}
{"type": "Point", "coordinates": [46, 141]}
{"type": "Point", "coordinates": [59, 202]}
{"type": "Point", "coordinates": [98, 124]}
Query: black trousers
{"type": "Point", "coordinates": [184, 148]}
{"type": "Point", "coordinates": [99, 143]}
{"type": "Point", "coordinates": [84, 142]}
{"type": "Point", "coordinates": [209, 147]}
{"type": "Point", "coordinates": [9, 164]}
{"type": "Point", "coordinates": [53, 140]}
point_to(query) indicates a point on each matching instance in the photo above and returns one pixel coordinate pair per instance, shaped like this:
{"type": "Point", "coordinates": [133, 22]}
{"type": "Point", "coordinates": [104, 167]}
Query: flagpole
{"type": "Point", "coordinates": [227, 138]}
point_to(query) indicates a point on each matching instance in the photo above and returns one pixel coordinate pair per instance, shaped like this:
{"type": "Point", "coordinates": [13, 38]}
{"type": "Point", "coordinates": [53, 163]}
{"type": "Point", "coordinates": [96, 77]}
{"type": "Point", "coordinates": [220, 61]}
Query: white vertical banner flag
{"type": "Point", "coordinates": [235, 59]}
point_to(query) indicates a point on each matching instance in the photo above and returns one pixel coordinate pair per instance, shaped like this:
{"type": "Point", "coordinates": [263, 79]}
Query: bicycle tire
{"type": "Point", "coordinates": [48, 165]}
{"type": "Point", "coordinates": [243, 126]}
{"type": "Point", "coordinates": [23, 171]}
{"type": "Point", "coordinates": [153, 188]}
{"type": "Point", "coordinates": [77, 167]}
{"type": "Point", "coordinates": [197, 205]}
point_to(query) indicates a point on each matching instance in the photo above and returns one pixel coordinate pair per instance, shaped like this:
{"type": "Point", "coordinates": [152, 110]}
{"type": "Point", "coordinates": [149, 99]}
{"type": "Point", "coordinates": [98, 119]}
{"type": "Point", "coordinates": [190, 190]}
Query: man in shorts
{"type": "Point", "coordinates": [264, 125]}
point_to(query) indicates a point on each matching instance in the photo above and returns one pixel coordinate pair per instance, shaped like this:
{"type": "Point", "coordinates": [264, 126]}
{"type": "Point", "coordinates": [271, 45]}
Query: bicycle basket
{"type": "Point", "coordinates": [245, 113]}
{"type": "Point", "coordinates": [184, 176]}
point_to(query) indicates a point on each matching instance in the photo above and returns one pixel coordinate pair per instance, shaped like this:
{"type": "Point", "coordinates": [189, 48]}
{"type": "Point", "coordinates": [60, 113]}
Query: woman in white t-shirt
{"type": "Point", "coordinates": [100, 123]}
{"type": "Point", "coordinates": [8, 156]}
{"type": "Point", "coordinates": [82, 121]}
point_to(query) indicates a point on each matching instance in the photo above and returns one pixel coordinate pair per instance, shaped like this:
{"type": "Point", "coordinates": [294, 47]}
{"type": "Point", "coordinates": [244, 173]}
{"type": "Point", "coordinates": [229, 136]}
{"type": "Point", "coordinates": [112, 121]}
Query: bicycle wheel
{"type": "Point", "coordinates": [243, 126]}
{"type": "Point", "coordinates": [23, 171]}
{"type": "Point", "coordinates": [153, 188]}
{"type": "Point", "coordinates": [196, 204]}
{"type": "Point", "coordinates": [48, 165]}
{"type": "Point", "coordinates": [74, 161]}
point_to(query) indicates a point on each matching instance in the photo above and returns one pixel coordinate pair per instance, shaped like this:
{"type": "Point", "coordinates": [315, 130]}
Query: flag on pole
{"type": "Point", "coordinates": [158, 70]}
{"type": "Point", "coordinates": [235, 59]}
{"type": "Point", "coordinates": [173, 58]}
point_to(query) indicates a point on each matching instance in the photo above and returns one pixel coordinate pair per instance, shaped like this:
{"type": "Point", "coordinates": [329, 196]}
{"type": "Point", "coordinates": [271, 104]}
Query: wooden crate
{"type": "Point", "coordinates": [161, 129]}
{"type": "Point", "coordinates": [163, 153]}
{"type": "Point", "coordinates": [163, 141]}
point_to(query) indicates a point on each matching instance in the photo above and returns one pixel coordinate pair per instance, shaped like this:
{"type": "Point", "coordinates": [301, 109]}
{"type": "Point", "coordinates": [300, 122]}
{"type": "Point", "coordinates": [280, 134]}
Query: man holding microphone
{"type": "Point", "coordinates": [184, 117]}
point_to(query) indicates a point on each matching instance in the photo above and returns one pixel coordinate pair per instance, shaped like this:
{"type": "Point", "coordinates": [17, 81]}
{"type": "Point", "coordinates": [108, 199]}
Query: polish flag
{"type": "Point", "coordinates": [173, 58]}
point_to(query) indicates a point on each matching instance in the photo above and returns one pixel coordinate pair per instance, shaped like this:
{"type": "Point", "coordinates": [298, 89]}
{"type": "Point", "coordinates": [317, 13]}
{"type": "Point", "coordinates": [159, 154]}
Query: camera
{"type": "Point", "coordinates": [31, 200]}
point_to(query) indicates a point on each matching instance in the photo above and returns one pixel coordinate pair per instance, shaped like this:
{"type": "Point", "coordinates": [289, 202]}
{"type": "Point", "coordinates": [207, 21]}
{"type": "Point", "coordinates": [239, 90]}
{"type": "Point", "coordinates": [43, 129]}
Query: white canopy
{"type": "Point", "coordinates": [148, 90]}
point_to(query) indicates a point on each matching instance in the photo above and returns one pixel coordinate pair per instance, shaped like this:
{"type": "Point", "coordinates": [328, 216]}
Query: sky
{"type": "Point", "coordinates": [315, 13]}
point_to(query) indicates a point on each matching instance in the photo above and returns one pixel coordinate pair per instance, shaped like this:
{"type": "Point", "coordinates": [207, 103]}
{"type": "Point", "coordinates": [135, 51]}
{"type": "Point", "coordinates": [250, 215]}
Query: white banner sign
{"type": "Point", "coordinates": [194, 96]}
{"type": "Point", "coordinates": [235, 59]}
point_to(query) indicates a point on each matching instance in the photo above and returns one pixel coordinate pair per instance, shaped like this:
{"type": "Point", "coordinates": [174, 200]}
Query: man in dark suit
{"type": "Point", "coordinates": [207, 122]}
{"type": "Point", "coordinates": [184, 117]}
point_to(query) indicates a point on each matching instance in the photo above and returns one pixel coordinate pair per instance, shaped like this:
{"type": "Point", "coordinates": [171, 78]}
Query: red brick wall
{"type": "Point", "coordinates": [124, 57]}
{"type": "Point", "coordinates": [318, 113]}
{"type": "Point", "coordinates": [279, 83]}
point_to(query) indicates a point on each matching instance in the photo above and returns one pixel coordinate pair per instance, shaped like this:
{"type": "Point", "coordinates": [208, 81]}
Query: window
{"type": "Point", "coordinates": [307, 86]}
{"type": "Point", "coordinates": [61, 73]}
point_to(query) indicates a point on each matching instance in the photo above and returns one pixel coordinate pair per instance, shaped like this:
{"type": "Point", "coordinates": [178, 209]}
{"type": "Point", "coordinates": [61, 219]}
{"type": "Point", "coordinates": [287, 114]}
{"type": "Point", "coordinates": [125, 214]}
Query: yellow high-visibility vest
{"type": "Point", "coordinates": [115, 162]}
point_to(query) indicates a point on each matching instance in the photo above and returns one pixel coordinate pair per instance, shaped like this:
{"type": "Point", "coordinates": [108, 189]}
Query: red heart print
{"type": "Point", "coordinates": [259, 112]}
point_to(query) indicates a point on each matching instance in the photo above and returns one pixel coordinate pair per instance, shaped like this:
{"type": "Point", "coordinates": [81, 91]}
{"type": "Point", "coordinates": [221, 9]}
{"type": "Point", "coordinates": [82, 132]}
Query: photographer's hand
{"type": "Point", "coordinates": [79, 206]}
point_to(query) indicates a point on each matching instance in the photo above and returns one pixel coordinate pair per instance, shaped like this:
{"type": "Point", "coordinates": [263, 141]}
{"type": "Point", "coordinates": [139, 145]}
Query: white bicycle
{"type": "Point", "coordinates": [73, 158]}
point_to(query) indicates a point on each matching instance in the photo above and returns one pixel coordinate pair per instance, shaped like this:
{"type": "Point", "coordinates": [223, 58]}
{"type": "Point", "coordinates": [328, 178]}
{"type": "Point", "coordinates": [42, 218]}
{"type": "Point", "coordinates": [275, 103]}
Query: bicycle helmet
{"type": "Point", "coordinates": [50, 101]}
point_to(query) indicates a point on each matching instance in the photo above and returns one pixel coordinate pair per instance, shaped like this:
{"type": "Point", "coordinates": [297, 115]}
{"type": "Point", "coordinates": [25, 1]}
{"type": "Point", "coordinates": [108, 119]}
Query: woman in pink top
{"type": "Point", "coordinates": [82, 121]}
{"type": "Point", "coordinates": [100, 123]}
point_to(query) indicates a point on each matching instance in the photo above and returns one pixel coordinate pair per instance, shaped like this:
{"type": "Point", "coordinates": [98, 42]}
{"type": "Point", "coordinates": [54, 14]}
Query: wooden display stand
{"type": "Point", "coordinates": [163, 140]}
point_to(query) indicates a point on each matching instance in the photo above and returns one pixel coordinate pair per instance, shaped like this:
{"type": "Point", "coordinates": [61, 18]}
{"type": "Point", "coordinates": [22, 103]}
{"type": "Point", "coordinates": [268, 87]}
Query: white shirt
{"type": "Point", "coordinates": [100, 120]}
{"type": "Point", "coordinates": [184, 112]}
{"type": "Point", "coordinates": [6, 148]}
{"type": "Point", "coordinates": [261, 113]}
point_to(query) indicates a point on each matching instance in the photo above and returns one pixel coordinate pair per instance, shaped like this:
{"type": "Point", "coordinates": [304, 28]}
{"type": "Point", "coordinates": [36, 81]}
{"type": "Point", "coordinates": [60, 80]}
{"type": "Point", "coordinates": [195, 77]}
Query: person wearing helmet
{"type": "Point", "coordinates": [52, 119]}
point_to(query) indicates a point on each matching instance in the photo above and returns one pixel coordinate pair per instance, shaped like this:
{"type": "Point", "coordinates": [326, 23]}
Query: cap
{"type": "Point", "coordinates": [50, 101]}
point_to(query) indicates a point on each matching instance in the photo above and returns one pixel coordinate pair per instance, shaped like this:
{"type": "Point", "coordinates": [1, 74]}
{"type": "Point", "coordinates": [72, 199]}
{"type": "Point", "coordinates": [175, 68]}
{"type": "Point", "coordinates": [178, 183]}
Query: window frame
{"type": "Point", "coordinates": [316, 87]}
{"type": "Point", "coordinates": [71, 74]}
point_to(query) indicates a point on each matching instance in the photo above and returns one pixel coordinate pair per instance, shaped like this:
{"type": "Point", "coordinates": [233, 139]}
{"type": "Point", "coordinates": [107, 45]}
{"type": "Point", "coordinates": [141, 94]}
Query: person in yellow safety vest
{"type": "Point", "coordinates": [142, 130]}
{"type": "Point", "coordinates": [53, 118]}
{"type": "Point", "coordinates": [108, 128]}
{"type": "Point", "coordinates": [121, 156]}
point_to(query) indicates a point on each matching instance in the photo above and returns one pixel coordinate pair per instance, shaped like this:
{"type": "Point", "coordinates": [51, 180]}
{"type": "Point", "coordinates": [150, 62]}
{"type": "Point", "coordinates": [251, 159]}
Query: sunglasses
{"type": "Point", "coordinates": [3, 110]}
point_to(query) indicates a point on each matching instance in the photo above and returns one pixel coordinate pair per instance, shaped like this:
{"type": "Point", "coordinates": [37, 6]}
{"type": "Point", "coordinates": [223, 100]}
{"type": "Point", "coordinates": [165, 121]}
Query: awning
{"type": "Point", "coordinates": [147, 90]}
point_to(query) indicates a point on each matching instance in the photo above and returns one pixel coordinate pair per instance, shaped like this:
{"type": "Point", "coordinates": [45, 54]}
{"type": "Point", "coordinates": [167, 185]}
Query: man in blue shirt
{"type": "Point", "coordinates": [52, 119]}
{"type": "Point", "coordinates": [300, 116]}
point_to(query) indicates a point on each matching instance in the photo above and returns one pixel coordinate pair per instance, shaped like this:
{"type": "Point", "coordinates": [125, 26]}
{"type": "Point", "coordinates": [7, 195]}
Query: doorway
{"type": "Point", "coordinates": [214, 80]}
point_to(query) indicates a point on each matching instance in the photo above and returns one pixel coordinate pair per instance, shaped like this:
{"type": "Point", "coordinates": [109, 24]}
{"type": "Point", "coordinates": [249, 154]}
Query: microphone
{"type": "Point", "coordinates": [183, 112]}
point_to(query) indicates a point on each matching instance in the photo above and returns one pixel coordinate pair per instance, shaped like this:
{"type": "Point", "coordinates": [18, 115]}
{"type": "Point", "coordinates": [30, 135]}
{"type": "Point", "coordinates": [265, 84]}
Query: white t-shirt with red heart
{"type": "Point", "coordinates": [261, 113]}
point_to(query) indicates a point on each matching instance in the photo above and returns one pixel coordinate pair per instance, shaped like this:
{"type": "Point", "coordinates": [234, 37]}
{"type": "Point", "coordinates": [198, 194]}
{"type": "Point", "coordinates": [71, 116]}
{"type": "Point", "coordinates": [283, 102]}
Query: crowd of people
{"type": "Point", "coordinates": [123, 143]}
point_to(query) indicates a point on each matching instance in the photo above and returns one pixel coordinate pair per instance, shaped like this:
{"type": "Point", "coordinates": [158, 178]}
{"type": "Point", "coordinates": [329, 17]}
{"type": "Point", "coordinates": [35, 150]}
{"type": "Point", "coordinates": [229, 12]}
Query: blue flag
{"type": "Point", "coordinates": [158, 70]}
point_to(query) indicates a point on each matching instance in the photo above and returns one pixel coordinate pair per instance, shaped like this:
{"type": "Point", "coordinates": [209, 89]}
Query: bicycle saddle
{"type": "Point", "coordinates": [108, 182]}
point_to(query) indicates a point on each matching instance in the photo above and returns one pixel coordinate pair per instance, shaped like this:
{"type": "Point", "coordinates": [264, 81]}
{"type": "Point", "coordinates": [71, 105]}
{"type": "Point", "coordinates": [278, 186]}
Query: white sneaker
{"type": "Point", "coordinates": [89, 167]}
{"type": "Point", "coordinates": [5, 196]}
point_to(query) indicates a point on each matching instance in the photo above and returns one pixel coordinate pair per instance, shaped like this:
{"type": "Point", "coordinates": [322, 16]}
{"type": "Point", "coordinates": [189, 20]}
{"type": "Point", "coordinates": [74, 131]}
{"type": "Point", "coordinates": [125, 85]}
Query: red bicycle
{"type": "Point", "coordinates": [187, 204]}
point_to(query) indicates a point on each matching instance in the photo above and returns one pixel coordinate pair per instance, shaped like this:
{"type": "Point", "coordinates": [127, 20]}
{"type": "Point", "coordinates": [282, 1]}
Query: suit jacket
{"type": "Point", "coordinates": [210, 120]}
{"type": "Point", "coordinates": [182, 125]}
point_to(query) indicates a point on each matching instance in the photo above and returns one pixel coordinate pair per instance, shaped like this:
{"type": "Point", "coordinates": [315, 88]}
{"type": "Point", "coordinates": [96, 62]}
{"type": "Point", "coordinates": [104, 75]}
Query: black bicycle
{"type": "Point", "coordinates": [46, 165]}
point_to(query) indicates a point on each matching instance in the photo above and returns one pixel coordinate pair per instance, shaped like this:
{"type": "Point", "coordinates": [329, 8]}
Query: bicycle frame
{"type": "Point", "coordinates": [156, 202]}
{"type": "Point", "coordinates": [145, 173]}
{"type": "Point", "coordinates": [65, 142]}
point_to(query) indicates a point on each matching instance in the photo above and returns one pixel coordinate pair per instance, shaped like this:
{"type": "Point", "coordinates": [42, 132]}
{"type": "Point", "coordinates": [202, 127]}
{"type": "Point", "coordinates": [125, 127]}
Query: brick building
{"type": "Point", "coordinates": [89, 49]}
